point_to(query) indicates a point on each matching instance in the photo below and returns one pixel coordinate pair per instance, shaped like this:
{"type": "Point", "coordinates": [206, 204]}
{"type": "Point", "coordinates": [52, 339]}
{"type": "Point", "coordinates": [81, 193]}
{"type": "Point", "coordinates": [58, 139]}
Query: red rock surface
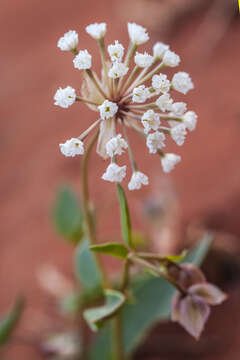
{"type": "Point", "coordinates": [207, 181]}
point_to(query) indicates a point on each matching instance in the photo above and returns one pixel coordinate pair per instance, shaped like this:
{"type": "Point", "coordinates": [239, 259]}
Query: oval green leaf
{"type": "Point", "coordinates": [86, 268]}
{"type": "Point", "coordinates": [67, 215]}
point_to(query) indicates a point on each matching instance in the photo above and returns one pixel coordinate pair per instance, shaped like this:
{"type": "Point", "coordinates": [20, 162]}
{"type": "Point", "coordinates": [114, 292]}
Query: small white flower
{"type": "Point", "coordinates": [69, 41]}
{"type": "Point", "coordinates": [114, 173]}
{"type": "Point", "coordinates": [97, 30]}
{"type": "Point", "coordinates": [169, 161]}
{"type": "Point", "coordinates": [83, 60]}
{"type": "Point", "coordinates": [72, 147]}
{"type": "Point", "coordinates": [173, 123]}
{"type": "Point", "coordinates": [108, 109]}
{"type": "Point", "coordinates": [155, 141]}
{"type": "Point", "coordinates": [117, 70]}
{"type": "Point", "coordinates": [171, 59]}
{"type": "Point", "coordinates": [150, 121]}
{"type": "Point", "coordinates": [160, 83]}
{"type": "Point", "coordinates": [143, 60]}
{"type": "Point", "coordinates": [159, 50]}
{"type": "Point", "coordinates": [116, 51]}
{"type": "Point", "coordinates": [138, 34]}
{"type": "Point", "coordinates": [182, 82]}
{"type": "Point", "coordinates": [137, 180]}
{"type": "Point", "coordinates": [116, 146]}
{"type": "Point", "coordinates": [178, 134]}
{"type": "Point", "coordinates": [164, 102]}
{"type": "Point", "coordinates": [140, 94]}
{"type": "Point", "coordinates": [179, 108]}
{"type": "Point", "coordinates": [190, 120]}
{"type": "Point", "coordinates": [65, 97]}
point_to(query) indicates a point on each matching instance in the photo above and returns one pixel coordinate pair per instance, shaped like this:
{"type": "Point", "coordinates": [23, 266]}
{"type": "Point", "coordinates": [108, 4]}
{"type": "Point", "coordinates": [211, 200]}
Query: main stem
{"type": "Point", "coordinates": [118, 353]}
{"type": "Point", "coordinates": [89, 227]}
{"type": "Point", "coordinates": [117, 332]}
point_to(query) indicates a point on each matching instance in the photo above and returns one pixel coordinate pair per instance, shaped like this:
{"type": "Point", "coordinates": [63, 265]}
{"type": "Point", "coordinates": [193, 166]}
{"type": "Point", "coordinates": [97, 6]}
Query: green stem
{"type": "Point", "coordinates": [156, 269]}
{"type": "Point", "coordinates": [118, 352]}
{"type": "Point", "coordinates": [125, 275]}
{"type": "Point", "coordinates": [89, 227]}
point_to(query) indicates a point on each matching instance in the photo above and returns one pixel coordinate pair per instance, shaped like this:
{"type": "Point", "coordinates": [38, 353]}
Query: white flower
{"type": "Point", "coordinates": [108, 109]}
{"type": "Point", "coordinates": [178, 134]}
{"type": "Point", "coordinates": [97, 30]}
{"type": "Point", "coordinates": [171, 59]}
{"type": "Point", "coordinates": [159, 50]}
{"type": "Point", "coordinates": [140, 94]}
{"type": "Point", "coordinates": [116, 145]}
{"type": "Point", "coordinates": [114, 173]}
{"type": "Point", "coordinates": [164, 102]}
{"type": "Point", "coordinates": [182, 82]}
{"type": "Point", "coordinates": [179, 108]}
{"type": "Point", "coordinates": [69, 41]}
{"type": "Point", "coordinates": [65, 97]}
{"type": "Point", "coordinates": [116, 51]}
{"type": "Point", "coordinates": [173, 123]}
{"type": "Point", "coordinates": [143, 60]}
{"type": "Point", "coordinates": [190, 120]}
{"type": "Point", "coordinates": [155, 141]}
{"type": "Point", "coordinates": [72, 147]}
{"type": "Point", "coordinates": [138, 34]}
{"type": "Point", "coordinates": [160, 83]}
{"type": "Point", "coordinates": [137, 180]}
{"type": "Point", "coordinates": [169, 161]}
{"type": "Point", "coordinates": [117, 70]}
{"type": "Point", "coordinates": [83, 60]}
{"type": "Point", "coordinates": [150, 121]}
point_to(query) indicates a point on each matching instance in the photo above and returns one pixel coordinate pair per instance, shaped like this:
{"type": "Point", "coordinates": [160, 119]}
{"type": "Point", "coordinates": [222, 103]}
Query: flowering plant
{"type": "Point", "coordinates": [140, 99]}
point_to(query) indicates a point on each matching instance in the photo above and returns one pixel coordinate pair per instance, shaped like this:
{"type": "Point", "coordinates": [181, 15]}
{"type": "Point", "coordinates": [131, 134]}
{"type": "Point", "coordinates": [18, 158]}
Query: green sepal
{"type": "Point", "coordinates": [115, 249]}
{"type": "Point", "coordinates": [96, 317]}
{"type": "Point", "coordinates": [125, 216]}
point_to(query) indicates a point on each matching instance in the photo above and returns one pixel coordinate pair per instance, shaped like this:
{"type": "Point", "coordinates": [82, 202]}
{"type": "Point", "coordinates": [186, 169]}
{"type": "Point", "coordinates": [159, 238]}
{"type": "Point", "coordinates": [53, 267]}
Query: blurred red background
{"type": "Point", "coordinates": [32, 68]}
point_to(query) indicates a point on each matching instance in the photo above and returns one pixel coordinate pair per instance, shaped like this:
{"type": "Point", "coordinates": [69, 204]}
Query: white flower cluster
{"type": "Point", "coordinates": [128, 101]}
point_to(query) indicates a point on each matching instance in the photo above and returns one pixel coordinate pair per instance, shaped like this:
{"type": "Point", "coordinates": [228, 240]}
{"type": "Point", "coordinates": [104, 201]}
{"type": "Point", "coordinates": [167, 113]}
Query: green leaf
{"type": "Point", "coordinates": [9, 322]}
{"type": "Point", "coordinates": [67, 215]}
{"type": "Point", "coordinates": [96, 317]}
{"type": "Point", "coordinates": [86, 268]}
{"type": "Point", "coordinates": [125, 216]}
{"type": "Point", "coordinates": [152, 304]}
{"type": "Point", "coordinates": [115, 249]}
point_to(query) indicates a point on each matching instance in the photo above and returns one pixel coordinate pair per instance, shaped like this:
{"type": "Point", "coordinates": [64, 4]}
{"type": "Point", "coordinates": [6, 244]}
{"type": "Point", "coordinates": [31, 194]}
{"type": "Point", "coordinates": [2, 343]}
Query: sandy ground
{"type": "Point", "coordinates": [32, 68]}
